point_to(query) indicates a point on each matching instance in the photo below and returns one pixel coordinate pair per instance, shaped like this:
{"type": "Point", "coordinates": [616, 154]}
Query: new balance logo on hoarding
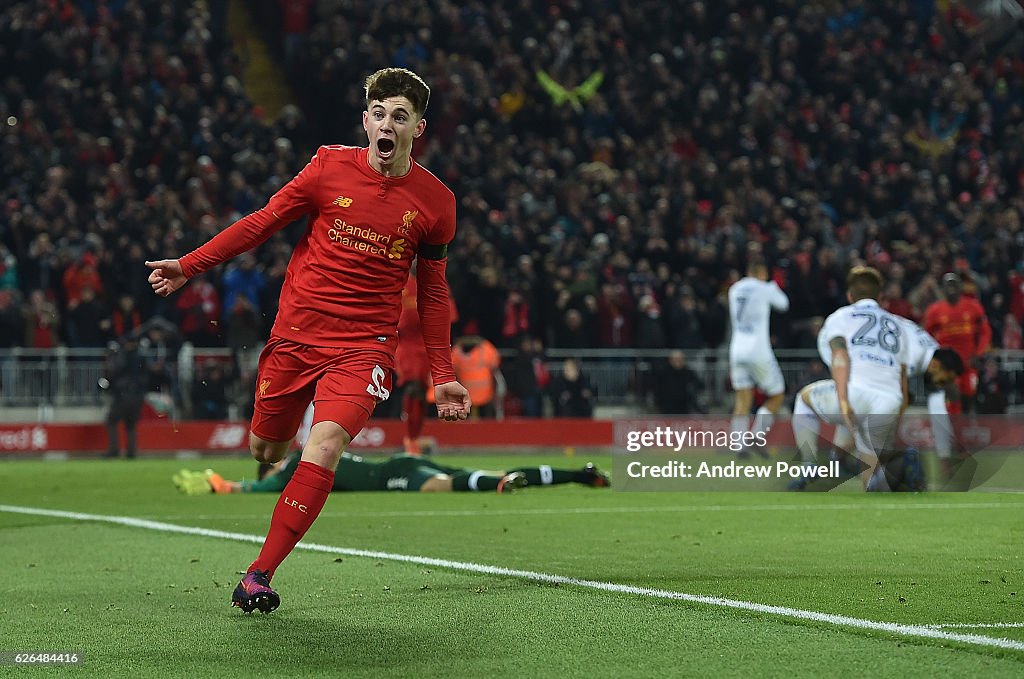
{"type": "Point", "coordinates": [228, 436]}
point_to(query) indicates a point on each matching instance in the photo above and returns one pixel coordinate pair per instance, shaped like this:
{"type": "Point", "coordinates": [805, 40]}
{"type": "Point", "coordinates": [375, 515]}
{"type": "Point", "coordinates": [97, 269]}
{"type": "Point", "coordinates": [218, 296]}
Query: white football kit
{"type": "Point", "coordinates": [922, 349]}
{"type": "Point", "coordinates": [751, 360]}
{"type": "Point", "coordinates": [879, 348]}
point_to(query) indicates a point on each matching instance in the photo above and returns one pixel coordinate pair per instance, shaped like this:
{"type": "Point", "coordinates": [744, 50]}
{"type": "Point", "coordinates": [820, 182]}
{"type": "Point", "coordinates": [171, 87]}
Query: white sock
{"type": "Point", "coordinates": [763, 420]}
{"type": "Point", "coordinates": [942, 427]}
{"type": "Point", "coordinates": [806, 428]}
{"type": "Point", "coordinates": [740, 423]}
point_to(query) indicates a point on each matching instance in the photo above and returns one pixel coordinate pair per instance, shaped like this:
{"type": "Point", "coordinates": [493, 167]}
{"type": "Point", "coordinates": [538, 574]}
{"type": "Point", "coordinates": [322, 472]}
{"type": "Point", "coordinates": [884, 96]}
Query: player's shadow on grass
{"type": "Point", "coordinates": [284, 644]}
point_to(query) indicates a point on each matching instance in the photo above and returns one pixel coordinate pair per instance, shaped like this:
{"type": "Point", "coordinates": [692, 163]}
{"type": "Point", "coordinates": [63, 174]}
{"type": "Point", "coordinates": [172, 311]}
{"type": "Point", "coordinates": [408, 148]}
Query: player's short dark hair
{"type": "Point", "coordinates": [864, 282]}
{"type": "Point", "coordinates": [398, 82]}
{"type": "Point", "coordinates": [949, 360]}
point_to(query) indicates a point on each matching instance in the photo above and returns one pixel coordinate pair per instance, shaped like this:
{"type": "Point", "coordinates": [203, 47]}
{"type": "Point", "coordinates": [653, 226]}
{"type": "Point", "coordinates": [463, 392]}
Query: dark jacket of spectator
{"type": "Point", "coordinates": [571, 392]}
{"type": "Point", "coordinates": [677, 388]}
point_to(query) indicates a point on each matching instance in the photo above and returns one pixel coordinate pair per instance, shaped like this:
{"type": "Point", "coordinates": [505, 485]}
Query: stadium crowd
{"type": "Point", "coordinates": [615, 162]}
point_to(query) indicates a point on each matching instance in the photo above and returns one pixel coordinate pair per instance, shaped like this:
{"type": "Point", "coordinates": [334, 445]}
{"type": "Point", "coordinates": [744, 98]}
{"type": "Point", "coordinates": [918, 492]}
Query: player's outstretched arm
{"type": "Point", "coordinates": [453, 402]}
{"type": "Point", "coordinates": [166, 276]}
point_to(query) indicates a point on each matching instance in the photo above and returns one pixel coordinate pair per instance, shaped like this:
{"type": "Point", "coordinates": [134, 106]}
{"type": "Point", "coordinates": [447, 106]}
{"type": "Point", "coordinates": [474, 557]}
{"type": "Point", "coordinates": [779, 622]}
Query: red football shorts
{"type": "Point", "coordinates": [343, 384]}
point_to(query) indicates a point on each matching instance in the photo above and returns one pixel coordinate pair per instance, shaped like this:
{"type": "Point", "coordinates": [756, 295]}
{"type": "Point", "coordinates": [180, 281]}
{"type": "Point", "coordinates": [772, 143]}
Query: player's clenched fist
{"type": "Point", "coordinates": [166, 276]}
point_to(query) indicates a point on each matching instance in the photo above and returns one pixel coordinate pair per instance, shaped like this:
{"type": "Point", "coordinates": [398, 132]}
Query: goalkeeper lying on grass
{"type": "Point", "coordinates": [399, 472]}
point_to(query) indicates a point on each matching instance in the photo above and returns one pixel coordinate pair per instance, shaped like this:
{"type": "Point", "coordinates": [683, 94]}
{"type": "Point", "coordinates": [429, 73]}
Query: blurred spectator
{"type": "Point", "coordinates": [476, 362]}
{"type": "Point", "coordinates": [125, 319]}
{"type": "Point", "coordinates": [12, 326]}
{"type": "Point", "coordinates": [572, 333]}
{"type": "Point", "coordinates": [199, 312]}
{"type": "Point", "coordinates": [677, 388]}
{"type": "Point", "coordinates": [295, 23]}
{"type": "Point", "coordinates": [8, 269]}
{"type": "Point", "coordinates": [160, 386]}
{"type": "Point", "coordinates": [79, 277]}
{"type": "Point", "coordinates": [650, 331]}
{"type": "Point", "coordinates": [571, 392]}
{"type": "Point", "coordinates": [244, 332]}
{"type": "Point", "coordinates": [126, 379]}
{"type": "Point", "coordinates": [1013, 336]}
{"type": "Point", "coordinates": [41, 322]}
{"type": "Point", "coordinates": [528, 377]}
{"type": "Point", "coordinates": [160, 338]}
{"type": "Point", "coordinates": [243, 280]}
{"type": "Point", "coordinates": [210, 392]}
{"type": "Point", "coordinates": [615, 316]}
{"type": "Point", "coordinates": [993, 388]}
{"type": "Point", "coordinates": [685, 328]}
{"type": "Point", "coordinates": [517, 320]}
{"type": "Point", "coordinates": [894, 302]}
{"type": "Point", "coordinates": [86, 319]}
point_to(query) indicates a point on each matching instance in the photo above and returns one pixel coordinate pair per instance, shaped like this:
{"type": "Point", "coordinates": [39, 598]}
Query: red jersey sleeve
{"type": "Point", "coordinates": [293, 200]}
{"type": "Point", "coordinates": [433, 299]}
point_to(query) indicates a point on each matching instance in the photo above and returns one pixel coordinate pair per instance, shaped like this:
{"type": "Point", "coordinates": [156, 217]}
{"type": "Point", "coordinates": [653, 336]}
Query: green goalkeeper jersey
{"type": "Point", "coordinates": [355, 473]}
{"type": "Point", "coordinates": [398, 472]}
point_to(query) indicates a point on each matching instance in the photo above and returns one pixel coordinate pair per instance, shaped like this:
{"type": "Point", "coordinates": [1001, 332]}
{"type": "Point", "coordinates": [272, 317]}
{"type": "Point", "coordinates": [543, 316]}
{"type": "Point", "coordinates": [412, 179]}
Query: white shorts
{"type": "Point", "coordinates": [765, 374]}
{"type": "Point", "coordinates": [875, 412]}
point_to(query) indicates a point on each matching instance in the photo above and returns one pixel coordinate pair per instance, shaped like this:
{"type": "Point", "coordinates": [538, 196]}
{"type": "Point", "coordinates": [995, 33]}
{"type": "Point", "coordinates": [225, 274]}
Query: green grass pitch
{"type": "Point", "coordinates": [141, 602]}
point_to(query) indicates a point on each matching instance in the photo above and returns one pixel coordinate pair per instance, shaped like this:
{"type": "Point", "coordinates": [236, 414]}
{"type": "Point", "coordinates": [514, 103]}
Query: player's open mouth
{"type": "Point", "coordinates": [385, 147]}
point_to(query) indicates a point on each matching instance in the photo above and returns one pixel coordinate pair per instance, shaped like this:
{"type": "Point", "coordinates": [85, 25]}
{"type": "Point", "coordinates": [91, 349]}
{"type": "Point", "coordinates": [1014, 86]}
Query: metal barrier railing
{"type": "Point", "coordinates": [621, 378]}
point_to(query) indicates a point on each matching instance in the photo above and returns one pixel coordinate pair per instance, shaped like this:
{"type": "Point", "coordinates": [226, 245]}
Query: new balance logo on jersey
{"type": "Point", "coordinates": [342, 201]}
{"type": "Point", "coordinates": [397, 249]}
{"type": "Point", "coordinates": [376, 387]}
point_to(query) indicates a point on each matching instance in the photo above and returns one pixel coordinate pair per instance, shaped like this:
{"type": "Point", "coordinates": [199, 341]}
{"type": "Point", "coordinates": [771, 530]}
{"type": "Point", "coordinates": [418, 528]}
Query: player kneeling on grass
{"type": "Point", "coordinates": [867, 351]}
{"type": "Point", "coordinates": [399, 472]}
{"type": "Point", "coordinates": [940, 367]}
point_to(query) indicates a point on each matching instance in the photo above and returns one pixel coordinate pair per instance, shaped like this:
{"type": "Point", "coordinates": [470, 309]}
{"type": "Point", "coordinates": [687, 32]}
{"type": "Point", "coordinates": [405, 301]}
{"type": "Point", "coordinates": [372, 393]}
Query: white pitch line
{"type": "Point", "coordinates": [920, 631]}
{"type": "Point", "coordinates": [970, 626]}
{"type": "Point", "coordinates": [612, 510]}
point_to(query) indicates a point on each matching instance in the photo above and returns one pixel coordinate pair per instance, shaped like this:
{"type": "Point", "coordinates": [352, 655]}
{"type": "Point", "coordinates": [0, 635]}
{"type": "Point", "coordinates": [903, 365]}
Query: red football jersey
{"type": "Point", "coordinates": [344, 282]}
{"type": "Point", "coordinates": [962, 326]}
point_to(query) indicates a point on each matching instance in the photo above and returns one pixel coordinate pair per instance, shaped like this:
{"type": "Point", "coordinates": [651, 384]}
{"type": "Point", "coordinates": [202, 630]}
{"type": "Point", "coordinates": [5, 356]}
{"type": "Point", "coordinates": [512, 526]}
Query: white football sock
{"type": "Point", "coordinates": [806, 427]}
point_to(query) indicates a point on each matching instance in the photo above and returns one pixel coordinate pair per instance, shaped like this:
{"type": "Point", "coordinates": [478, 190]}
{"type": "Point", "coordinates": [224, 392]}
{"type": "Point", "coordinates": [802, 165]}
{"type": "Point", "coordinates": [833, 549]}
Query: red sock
{"type": "Point", "coordinates": [297, 508]}
{"type": "Point", "coordinates": [954, 407]}
{"type": "Point", "coordinates": [413, 407]}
